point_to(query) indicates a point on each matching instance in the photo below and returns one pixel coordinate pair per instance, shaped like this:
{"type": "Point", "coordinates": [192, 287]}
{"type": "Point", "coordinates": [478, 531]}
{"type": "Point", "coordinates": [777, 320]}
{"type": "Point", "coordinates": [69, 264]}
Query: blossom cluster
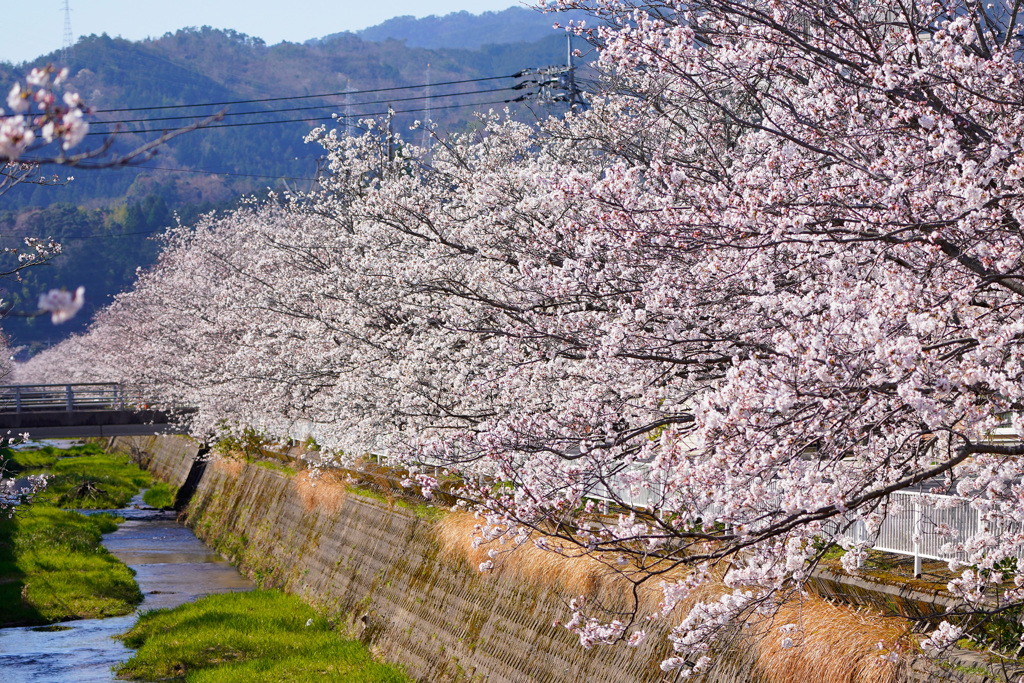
{"type": "Point", "coordinates": [38, 114]}
{"type": "Point", "coordinates": [61, 304]}
{"type": "Point", "coordinates": [13, 492]}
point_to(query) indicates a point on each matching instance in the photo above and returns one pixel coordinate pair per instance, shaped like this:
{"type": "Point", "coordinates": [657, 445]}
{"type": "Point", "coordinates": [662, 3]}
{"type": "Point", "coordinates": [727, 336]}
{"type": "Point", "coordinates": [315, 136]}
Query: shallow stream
{"type": "Point", "coordinates": [171, 566]}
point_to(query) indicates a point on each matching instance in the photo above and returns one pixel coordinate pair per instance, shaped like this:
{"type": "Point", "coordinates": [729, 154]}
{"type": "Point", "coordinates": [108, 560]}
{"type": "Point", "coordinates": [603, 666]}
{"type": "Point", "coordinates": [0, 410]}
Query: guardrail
{"type": "Point", "coordinates": [914, 524]}
{"type": "Point", "coordinates": [920, 524]}
{"type": "Point", "coordinates": [20, 398]}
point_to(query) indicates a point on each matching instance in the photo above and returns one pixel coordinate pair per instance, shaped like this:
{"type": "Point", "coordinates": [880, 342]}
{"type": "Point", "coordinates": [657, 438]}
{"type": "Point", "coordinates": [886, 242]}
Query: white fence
{"type": "Point", "coordinates": [920, 524]}
{"type": "Point", "coordinates": [913, 524]}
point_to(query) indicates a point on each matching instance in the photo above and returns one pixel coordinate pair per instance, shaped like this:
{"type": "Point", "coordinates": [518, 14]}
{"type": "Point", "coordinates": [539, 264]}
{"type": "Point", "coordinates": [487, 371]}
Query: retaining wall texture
{"type": "Point", "coordinates": [380, 566]}
{"type": "Point", "coordinates": [169, 458]}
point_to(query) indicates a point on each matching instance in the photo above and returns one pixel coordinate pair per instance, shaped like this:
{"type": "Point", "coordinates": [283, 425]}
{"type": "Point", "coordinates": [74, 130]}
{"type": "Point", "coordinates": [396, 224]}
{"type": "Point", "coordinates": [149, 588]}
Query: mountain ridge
{"type": "Point", "coordinates": [464, 29]}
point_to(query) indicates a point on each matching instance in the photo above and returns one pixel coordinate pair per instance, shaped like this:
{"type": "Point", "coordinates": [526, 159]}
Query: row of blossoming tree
{"type": "Point", "coordinates": [775, 269]}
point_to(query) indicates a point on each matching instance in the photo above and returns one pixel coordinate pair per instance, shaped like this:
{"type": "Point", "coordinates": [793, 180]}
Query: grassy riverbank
{"type": "Point", "coordinates": [94, 482]}
{"type": "Point", "coordinates": [160, 496]}
{"type": "Point", "coordinates": [243, 637]}
{"type": "Point", "coordinates": [53, 566]}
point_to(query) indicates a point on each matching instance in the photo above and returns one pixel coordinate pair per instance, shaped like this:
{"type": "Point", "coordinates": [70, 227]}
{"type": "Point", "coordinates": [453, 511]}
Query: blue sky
{"type": "Point", "coordinates": [36, 28]}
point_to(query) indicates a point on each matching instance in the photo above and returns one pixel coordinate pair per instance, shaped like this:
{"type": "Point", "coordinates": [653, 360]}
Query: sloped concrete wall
{"type": "Point", "coordinates": [169, 458]}
{"type": "Point", "coordinates": [381, 566]}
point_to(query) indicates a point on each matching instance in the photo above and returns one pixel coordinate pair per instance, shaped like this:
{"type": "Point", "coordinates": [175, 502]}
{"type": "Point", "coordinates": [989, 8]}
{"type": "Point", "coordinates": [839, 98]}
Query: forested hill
{"type": "Point", "coordinates": [469, 31]}
{"type": "Point", "coordinates": [207, 65]}
{"type": "Point", "coordinates": [105, 217]}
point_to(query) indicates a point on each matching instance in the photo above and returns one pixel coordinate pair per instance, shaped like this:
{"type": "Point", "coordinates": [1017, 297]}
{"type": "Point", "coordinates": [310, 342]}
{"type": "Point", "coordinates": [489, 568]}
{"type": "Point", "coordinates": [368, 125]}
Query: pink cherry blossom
{"type": "Point", "coordinates": [62, 304]}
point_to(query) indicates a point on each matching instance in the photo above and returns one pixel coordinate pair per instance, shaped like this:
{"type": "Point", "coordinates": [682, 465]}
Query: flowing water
{"type": "Point", "coordinates": [172, 567]}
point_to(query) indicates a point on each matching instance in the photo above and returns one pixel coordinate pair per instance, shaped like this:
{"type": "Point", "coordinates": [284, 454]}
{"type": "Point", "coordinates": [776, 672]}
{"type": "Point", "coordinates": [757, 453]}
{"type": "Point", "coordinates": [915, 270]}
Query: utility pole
{"type": "Point", "coordinates": [69, 37]}
{"type": "Point", "coordinates": [389, 140]}
{"type": "Point", "coordinates": [576, 97]}
{"type": "Point", "coordinates": [573, 93]}
{"type": "Point", "coordinates": [426, 120]}
{"type": "Point", "coordinates": [349, 126]}
{"type": "Point", "coordinates": [558, 83]}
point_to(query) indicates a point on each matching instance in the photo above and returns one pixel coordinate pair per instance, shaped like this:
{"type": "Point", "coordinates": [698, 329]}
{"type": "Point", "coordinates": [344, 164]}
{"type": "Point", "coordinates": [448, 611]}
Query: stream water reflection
{"type": "Point", "coordinates": [172, 567]}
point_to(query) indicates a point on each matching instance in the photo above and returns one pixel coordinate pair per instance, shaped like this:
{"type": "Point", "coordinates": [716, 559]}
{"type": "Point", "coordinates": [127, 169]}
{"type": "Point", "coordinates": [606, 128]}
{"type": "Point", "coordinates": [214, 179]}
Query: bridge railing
{"type": "Point", "coordinates": [19, 398]}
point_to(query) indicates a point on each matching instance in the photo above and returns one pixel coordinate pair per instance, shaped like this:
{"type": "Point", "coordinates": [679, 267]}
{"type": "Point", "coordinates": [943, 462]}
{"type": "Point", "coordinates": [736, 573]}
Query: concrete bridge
{"type": "Point", "coordinates": [53, 411]}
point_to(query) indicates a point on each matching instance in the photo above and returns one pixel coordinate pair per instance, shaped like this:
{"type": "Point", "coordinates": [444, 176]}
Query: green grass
{"type": "Point", "coordinates": [274, 466]}
{"type": "Point", "coordinates": [35, 460]}
{"type": "Point", "coordinates": [970, 670]}
{"type": "Point", "coordinates": [239, 637]}
{"type": "Point", "coordinates": [18, 462]}
{"type": "Point", "coordinates": [424, 510]}
{"type": "Point", "coordinates": [53, 568]}
{"type": "Point", "coordinates": [95, 482]}
{"type": "Point", "coordinates": [160, 496]}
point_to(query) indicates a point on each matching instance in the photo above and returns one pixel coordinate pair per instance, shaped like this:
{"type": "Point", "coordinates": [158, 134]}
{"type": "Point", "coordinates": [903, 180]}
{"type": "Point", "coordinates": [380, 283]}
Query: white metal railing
{"type": "Point", "coordinates": [913, 524]}
{"type": "Point", "coordinates": [19, 398]}
{"type": "Point", "coordinates": [920, 524]}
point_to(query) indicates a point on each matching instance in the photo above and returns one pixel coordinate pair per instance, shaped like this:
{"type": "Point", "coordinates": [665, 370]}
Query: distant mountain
{"type": "Point", "coordinates": [462, 30]}
{"type": "Point", "coordinates": [122, 78]}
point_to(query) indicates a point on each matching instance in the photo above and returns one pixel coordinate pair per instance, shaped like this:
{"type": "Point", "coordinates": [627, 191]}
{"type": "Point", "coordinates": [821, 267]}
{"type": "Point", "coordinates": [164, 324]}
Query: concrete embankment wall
{"type": "Point", "coordinates": [169, 458]}
{"type": "Point", "coordinates": [379, 566]}
{"type": "Point", "coordinates": [381, 569]}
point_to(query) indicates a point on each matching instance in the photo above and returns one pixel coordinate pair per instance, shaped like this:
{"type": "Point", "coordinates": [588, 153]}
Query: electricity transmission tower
{"type": "Point", "coordinates": [69, 37]}
{"type": "Point", "coordinates": [350, 126]}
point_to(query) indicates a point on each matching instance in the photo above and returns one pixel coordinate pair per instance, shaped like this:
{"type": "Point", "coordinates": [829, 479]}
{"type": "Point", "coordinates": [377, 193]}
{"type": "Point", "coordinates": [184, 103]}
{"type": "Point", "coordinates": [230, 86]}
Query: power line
{"type": "Point", "coordinates": [229, 173]}
{"type": "Point", "coordinates": [312, 107]}
{"type": "Point", "coordinates": [306, 97]}
{"type": "Point", "coordinates": [329, 118]}
{"type": "Point", "coordinates": [114, 236]}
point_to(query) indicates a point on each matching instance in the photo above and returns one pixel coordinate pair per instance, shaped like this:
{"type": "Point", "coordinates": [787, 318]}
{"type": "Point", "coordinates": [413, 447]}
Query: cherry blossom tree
{"type": "Point", "coordinates": [768, 279]}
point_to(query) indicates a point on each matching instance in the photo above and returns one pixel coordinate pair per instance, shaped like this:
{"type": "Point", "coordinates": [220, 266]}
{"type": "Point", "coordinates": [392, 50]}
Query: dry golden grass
{"type": "Point", "coordinates": [831, 643]}
{"type": "Point", "coordinates": [595, 576]}
{"type": "Point", "coordinates": [384, 485]}
{"type": "Point", "coordinates": [227, 466]}
{"type": "Point", "coordinates": [321, 490]}
{"type": "Point", "coordinates": [580, 575]}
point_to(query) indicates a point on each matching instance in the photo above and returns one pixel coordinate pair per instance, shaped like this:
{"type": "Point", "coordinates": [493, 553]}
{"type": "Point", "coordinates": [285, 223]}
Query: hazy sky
{"type": "Point", "coordinates": [36, 28]}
